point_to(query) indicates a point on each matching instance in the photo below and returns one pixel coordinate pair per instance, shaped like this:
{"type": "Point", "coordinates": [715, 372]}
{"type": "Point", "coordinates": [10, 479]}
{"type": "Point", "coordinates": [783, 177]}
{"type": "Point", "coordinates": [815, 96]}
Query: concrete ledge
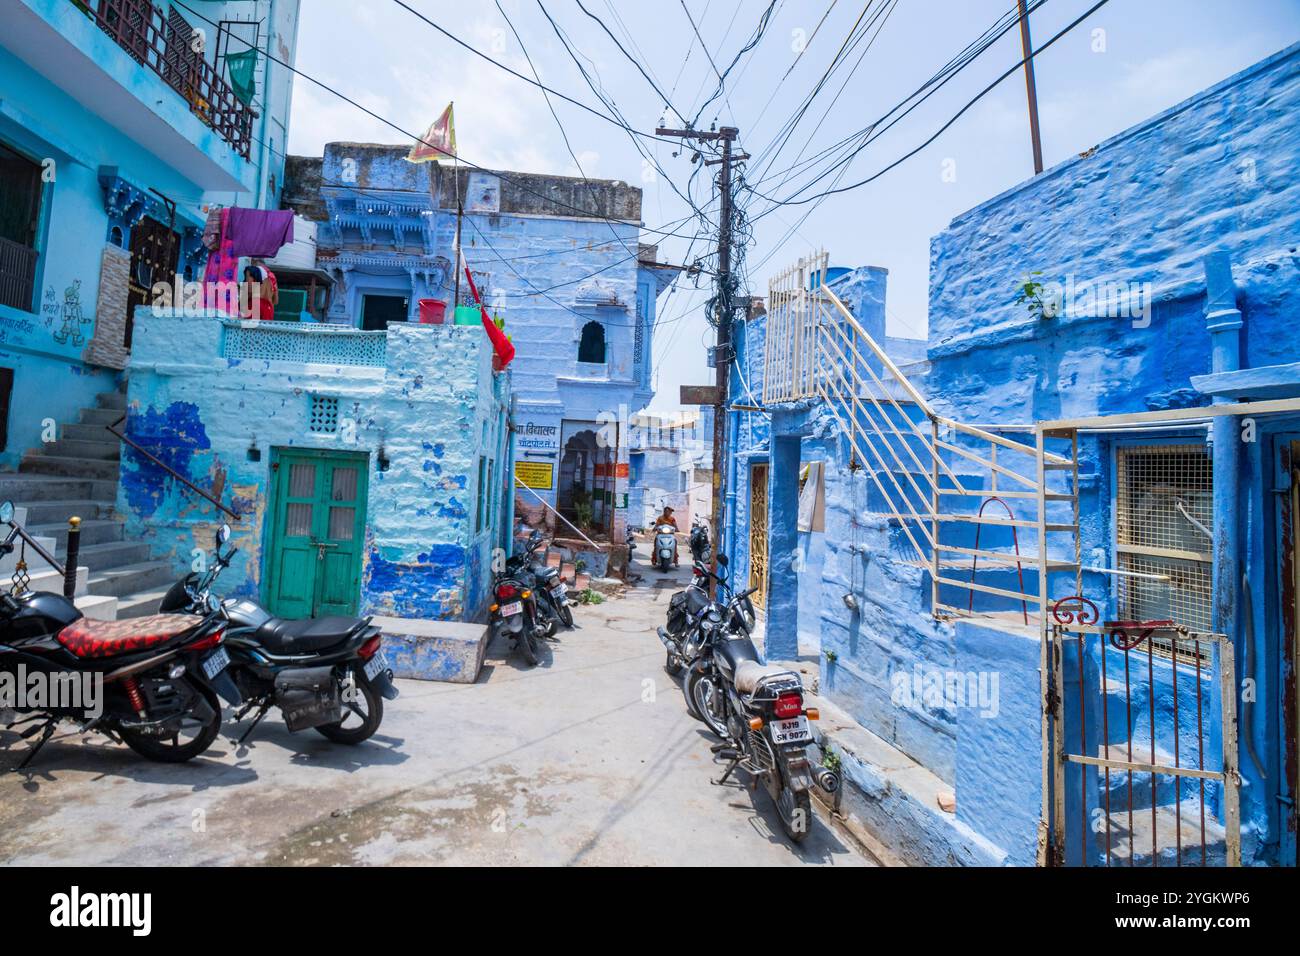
{"type": "Point", "coordinates": [434, 650]}
{"type": "Point", "coordinates": [889, 802]}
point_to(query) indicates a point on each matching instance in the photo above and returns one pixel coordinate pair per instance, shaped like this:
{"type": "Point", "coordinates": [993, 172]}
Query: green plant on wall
{"type": "Point", "coordinates": [583, 510]}
{"type": "Point", "coordinates": [1030, 294]}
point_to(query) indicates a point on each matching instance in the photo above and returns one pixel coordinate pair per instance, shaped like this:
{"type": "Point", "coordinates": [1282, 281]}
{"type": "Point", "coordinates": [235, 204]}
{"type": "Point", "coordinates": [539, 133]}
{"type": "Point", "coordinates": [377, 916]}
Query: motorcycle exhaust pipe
{"type": "Point", "coordinates": [664, 638]}
{"type": "Point", "coordinates": [826, 778]}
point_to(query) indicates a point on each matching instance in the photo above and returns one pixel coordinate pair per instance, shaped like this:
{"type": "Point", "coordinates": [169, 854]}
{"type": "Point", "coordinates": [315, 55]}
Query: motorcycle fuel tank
{"type": "Point", "coordinates": [245, 612]}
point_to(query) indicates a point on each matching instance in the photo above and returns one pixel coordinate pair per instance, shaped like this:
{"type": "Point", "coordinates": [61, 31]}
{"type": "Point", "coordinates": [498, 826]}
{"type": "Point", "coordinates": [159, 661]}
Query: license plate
{"type": "Point", "coordinates": [511, 609]}
{"type": "Point", "coordinates": [215, 663]}
{"type": "Point", "coordinates": [376, 665]}
{"type": "Point", "coordinates": [792, 731]}
{"type": "Point", "coordinates": [558, 590]}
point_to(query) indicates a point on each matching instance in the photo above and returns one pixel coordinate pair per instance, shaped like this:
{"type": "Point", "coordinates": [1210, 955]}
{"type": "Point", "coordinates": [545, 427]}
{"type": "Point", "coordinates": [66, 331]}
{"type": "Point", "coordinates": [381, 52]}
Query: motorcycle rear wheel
{"type": "Point", "coordinates": [566, 615]}
{"type": "Point", "coordinates": [373, 715]}
{"type": "Point", "coordinates": [527, 645]}
{"type": "Point", "coordinates": [172, 750]}
{"type": "Point", "coordinates": [795, 810]}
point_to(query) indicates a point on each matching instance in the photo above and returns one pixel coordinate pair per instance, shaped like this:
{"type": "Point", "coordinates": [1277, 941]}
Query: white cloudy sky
{"type": "Point", "coordinates": [1130, 59]}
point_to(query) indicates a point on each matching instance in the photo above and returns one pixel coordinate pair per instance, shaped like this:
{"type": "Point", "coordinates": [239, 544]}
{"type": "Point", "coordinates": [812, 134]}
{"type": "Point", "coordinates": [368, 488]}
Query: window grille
{"type": "Point", "coordinates": [1163, 518]}
{"type": "Point", "coordinates": [324, 416]}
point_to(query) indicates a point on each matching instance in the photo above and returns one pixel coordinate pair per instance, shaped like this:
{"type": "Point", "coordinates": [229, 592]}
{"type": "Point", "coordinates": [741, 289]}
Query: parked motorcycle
{"type": "Point", "coordinates": [688, 610]}
{"type": "Point", "coordinates": [699, 541]}
{"type": "Point", "coordinates": [546, 583]}
{"type": "Point", "coordinates": [152, 683]}
{"type": "Point", "coordinates": [758, 711]}
{"type": "Point", "coordinates": [329, 674]}
{"type": "Point", "coordinates": [515, 612]}
{"type": "Point", "coordinates": [665, 546]}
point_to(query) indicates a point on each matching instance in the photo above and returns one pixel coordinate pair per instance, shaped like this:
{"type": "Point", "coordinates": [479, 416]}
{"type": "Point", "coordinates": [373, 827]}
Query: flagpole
{"type": "Point", "coordinates": [460, 215]}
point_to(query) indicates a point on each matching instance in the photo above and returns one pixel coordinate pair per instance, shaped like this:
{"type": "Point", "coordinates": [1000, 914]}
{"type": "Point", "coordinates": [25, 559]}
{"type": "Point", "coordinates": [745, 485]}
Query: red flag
{"type": "Point", "coordinates": [440, 140]}
{"type": "Point", "coordinates": [505, 351]}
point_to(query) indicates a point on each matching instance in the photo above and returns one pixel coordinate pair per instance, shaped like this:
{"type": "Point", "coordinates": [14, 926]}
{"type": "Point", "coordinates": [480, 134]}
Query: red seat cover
{"type": "Point", "coordinates": [90, 638]}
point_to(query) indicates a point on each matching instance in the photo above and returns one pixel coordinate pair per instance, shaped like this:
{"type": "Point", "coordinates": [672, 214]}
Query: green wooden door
{"type": "Point", "coordinates": [317, 532]}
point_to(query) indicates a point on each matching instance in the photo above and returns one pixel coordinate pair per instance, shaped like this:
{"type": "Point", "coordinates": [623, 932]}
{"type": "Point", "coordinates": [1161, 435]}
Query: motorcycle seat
{"type": "Point", "coordinates": [310, 634]}
{"type": "Point", "coordinates": [93, 638]}
{"type": "Point", "coordinates": [751, 674]}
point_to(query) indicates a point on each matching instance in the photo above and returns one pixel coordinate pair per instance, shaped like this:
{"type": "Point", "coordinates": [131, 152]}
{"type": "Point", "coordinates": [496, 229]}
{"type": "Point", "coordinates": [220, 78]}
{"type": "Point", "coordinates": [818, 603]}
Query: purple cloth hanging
{"type": "Point", "coordinates": [259, 233]}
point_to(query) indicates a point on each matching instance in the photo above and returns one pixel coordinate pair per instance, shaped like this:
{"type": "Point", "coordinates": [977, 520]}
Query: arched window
{"type": "Point", "coordinates": [592, 346]}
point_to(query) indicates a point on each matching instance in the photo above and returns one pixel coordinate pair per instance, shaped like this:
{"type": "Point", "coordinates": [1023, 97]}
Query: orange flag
{"type": "Point", "coordinates": [440, 140]}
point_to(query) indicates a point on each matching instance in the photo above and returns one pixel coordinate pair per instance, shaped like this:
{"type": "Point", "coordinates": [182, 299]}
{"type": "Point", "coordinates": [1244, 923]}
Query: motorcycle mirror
{"type": "Point", "coordinates": [6, 512]}
{"type": "Point", "coordinates": [223, 534]}
{"type": "Point", "coordinates": [722, 560]}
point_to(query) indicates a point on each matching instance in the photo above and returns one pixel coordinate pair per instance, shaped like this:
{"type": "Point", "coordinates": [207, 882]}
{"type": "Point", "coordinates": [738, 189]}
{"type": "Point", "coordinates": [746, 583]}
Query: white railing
{"type": "Point", "coordinates": [303, 342]}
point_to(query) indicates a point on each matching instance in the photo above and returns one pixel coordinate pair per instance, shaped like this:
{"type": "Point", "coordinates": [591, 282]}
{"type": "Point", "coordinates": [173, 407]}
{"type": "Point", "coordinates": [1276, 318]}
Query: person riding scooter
{"type": "Point", "coordinates": [667, 519]}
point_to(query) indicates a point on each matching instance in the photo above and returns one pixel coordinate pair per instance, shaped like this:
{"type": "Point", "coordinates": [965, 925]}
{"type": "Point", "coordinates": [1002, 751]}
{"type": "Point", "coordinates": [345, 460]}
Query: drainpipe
{"type": "Point", "coordinates": [1224, 321]}
{"type": "Point", "coordinates": [264, 149]}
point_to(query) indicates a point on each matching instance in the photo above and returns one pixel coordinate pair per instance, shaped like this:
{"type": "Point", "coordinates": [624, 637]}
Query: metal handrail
{"type": "Point", "coordinates": [113, 428]}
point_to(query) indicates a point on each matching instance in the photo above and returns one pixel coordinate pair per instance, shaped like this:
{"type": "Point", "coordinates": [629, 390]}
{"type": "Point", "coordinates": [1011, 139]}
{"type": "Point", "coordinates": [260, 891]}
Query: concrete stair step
{"type": "Point", "coordinates": [112, 399]}
{"type": "Point", "coordinates": [41, 464]}
{"type": "Point", "coordinates": [100, 448]}
{"type": "Point", "coordinates": [80, 431]}
{"type": "Point", "coordinates": [100, 416]}
{"type": "Point", "coordinates": [53, 581]}
{"type": "Point", "coordinates": [140, 604]}
{"type": "Point", "coordinates": [126, 579]}
{"type": "Point", "coordinates": [28, 488]}
{"type": "Point", "coordinates": [94, 531]}
{"type": "Point", "coordinates": [60, 510]}
{"type": "Point", "coordinates": [97, 606]}
{"type": "Point", "coordinates": [112, 554]}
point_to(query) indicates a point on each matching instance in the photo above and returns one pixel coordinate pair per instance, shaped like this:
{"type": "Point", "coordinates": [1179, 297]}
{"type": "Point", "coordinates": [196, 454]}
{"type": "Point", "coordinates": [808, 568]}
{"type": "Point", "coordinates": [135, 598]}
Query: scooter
{"type": "Point", "coordinates": [329, 674]}
{"type": "Point", "coordinates": [151, 683]}
{"type": "Point", "coordinates": [665, 546]}
{"type": "Point", "coordinates": [699, 541]}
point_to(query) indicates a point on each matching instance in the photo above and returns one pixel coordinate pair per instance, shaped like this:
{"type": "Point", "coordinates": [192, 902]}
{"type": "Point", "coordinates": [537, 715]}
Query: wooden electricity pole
{"type": "Point", "coordinates": [1030, 88]}
{"type": "Point", "coordinates": [723, 350]}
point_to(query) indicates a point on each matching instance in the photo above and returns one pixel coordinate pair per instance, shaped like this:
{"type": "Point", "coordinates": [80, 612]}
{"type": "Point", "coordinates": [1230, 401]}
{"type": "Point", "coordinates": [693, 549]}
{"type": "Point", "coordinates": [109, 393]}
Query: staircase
{"type": "Point", "coordinates": [78, 475]}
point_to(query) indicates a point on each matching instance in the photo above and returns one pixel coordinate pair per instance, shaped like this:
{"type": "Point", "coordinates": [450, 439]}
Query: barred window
{"type": "Point", "coordinates": [1164, 516]}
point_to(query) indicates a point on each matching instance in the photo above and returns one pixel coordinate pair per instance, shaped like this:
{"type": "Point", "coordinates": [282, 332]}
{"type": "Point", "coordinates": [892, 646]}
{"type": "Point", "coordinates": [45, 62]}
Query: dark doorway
{"type": "Point", "coordinates": [592, 347]}
{"type": "Point", "coordinates": [6, 390]}
{"type": "Point", "coordinates": [155, 251]}
{"type": "Point", "coordinates": [20, 209]}
{"type": "Point", "coordinates": [378, 310]}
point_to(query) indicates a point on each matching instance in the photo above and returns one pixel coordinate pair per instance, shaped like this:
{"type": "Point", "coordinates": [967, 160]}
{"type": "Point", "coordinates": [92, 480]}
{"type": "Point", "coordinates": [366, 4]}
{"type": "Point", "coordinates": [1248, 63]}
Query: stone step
{"type": "Point", "coordinates": [100, 448]}
{"type": "Point", "coordinates": [80, 431]}
{"type": "Point", "coordinates": [53, 581]}
{"type": "Point", "coordinates": [97, 606]}
{"type": "Point", "coordinates": [28, 488]}
{"type": "Point", "coordinates": [140, 604]}
{"type": "Point", "coordinates": [34, 463]}
{"type": "Point", "coordinates": [126, 579]}
{"type": "Point", "coordinates": [100, 416]}
{"type": "Point", "coordinates": [112, 399]}
{"type": "Point", "coordinates": [58, 511]}
{"type": "Point", "coordinates": [96, 531]}
{"type": "Point", "coordinates": [112, 554]}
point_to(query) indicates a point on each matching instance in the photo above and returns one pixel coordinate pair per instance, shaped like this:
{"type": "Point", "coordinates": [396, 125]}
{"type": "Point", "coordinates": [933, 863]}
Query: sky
{"type": "Point", "coordinates": [1127, 61]}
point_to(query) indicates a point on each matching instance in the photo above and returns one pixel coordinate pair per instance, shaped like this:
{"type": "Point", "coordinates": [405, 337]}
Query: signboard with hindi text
{"type": "Point", "coordinates": [538, 475]}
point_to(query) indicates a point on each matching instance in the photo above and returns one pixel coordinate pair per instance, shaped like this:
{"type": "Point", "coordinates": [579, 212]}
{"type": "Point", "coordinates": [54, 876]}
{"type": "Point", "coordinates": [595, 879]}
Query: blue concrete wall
{"type": "Point", "coordinates": [434, 406]}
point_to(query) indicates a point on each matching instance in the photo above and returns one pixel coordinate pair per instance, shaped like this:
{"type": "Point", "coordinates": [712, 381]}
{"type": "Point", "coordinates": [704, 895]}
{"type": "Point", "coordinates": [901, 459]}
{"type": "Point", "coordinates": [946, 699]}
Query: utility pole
{"type": "Point", "coordinates": [1027, 46]}
{"type": "Point", "coordinates": [723, 350]}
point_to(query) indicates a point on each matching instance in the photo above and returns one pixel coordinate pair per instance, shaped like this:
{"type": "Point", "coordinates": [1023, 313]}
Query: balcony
{"type": "Point", "coordinates": [303, 343]}
{"type": "Point", "coordinates": [163, 45]}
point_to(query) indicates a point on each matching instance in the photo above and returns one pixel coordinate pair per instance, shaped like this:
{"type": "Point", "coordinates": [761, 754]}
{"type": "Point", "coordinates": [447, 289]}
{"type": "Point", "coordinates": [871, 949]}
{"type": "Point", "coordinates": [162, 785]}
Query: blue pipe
{"type": "Point", "coordinates": [1224, 321]}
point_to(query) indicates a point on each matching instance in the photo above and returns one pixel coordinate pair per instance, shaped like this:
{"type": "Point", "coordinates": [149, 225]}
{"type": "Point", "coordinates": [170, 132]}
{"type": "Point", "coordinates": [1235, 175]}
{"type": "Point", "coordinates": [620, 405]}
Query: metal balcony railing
{"type": "Point", "coordinates": [17, 274]}
{"type": "Point", "coordinates": [141, 29]}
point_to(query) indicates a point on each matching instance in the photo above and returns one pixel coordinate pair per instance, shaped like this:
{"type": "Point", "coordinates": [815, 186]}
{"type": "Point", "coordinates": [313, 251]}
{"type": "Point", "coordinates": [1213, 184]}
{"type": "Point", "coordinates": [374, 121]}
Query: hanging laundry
{"type": "Point", "coordinates": [501, 345]}
{"type": "Point", "coordinates": [259, 233]}
{"type": "Point", "coordinates": [220, 290]}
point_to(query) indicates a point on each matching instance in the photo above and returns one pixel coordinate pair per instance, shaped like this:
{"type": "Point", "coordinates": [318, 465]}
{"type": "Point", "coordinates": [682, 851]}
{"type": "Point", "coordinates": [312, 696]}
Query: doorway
{"type": "Point", "coordinates": [1287, 563]}
{"type": "Point", "coordinates": [758, 533]}
{"type": "Point", "coordinates": [318, 521]}
{"type": "Point", "coordinates": [155, 252]}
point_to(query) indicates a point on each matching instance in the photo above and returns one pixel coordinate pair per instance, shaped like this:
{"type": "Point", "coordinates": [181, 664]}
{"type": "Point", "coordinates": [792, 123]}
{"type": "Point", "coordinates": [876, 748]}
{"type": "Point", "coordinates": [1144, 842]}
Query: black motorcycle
{"type": "Point", "coordinates": [151, 683]}
{"type": "Point", "coordinates": [757, 709]}
{"type": "Point", "coordinates": [699, 541]}
{"type": "Point", "coordinates": [545, 582]}
{"type": "Point", "coordinates": [688, 611]}
{"type": "Point", "coordinates": [329, 674]}
{"type": "Point", "coordinates": [515, 611]}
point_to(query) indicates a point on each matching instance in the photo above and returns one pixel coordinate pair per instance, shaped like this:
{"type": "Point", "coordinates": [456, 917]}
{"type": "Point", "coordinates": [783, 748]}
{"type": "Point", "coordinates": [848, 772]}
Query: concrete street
{"type": "Point", "coordinates": [589, 758]}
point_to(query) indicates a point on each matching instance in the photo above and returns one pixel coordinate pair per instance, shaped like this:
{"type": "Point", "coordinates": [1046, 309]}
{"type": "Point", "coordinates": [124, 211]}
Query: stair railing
{"type": "Point", "coordinates": [115, 429]}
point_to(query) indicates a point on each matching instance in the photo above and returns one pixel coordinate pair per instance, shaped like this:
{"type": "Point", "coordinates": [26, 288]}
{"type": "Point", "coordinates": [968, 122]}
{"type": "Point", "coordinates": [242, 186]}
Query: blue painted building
{"type": "Point", "coordinates": [558, 262]}
{"type": "Point", "coordinates": [1130, 310]}
{"type": "Point", "coordinates": [119, 124]}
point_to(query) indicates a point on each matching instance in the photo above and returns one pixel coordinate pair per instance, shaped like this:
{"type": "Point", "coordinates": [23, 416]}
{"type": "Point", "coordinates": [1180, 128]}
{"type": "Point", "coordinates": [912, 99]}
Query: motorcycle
{"type": "Point", "coordinates": [688, 610]}
{"type": "Point", "coordinates": [544, 581]}
{"type": "Point", "coordinates": [699, 541]}
{"type": "Point", "coordinates": [758, 710]}
{"type": "Point", "coordinates": [329, 674]}
{"type": "Point", "coordinates": [153, 683]}
{"type": "Point", "coordinates": [665, 546]}
{"type": "Point", "coordinates": [515, 611]}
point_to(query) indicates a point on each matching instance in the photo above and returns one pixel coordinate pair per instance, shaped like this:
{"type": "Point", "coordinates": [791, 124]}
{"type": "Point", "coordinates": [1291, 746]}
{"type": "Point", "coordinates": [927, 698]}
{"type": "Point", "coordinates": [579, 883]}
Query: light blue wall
{"type": "Point", "coordinates": [432, 403]}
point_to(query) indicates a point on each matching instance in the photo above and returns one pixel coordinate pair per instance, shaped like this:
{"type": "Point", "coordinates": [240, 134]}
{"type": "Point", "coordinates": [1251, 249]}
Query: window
{"type": "Point", "coordinates": [1164, 515]}
{"type": "Point", "coordinates": [20, 205]}
{"type": "Point", "coordinates": [481, 506]}
{"type": "Point", "coordinates": [378, 310]}
{"type": "Point", "coordinates": [323, 418]}
{"type": "Point", "coordinates": [592, 347]}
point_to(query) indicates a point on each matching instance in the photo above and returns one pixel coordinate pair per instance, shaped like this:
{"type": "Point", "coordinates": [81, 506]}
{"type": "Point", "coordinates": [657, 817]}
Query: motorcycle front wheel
{"type": "Point", "coordinates": [192, 738]}
{"type": "Point", "coordinates": [361, 720]}
{"type": "Point", "coordinates": [705, 701]}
